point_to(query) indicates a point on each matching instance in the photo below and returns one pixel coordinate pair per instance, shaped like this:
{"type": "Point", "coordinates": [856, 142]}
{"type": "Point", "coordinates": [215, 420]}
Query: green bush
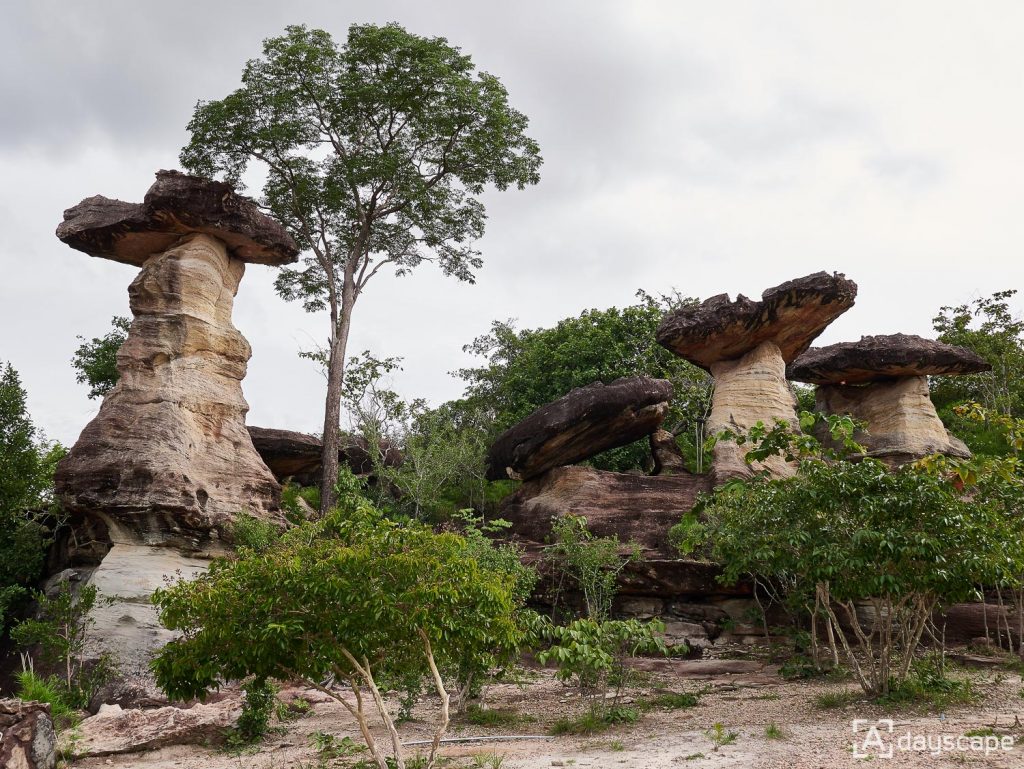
{"type": "Point", "coordinates": [354, 596]}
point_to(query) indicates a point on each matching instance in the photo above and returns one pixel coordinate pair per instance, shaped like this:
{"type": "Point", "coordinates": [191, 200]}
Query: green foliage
{"type": "Point", "coordinates": [96, 360]}
{"type": "Point", "coordinates": [51, 690]}
{"type": "Point", "coordinates": [27, 464]}
{"type": "Point", "coordinates": [720, 737]}
{"type": "Point", "coordinates": [329, 747]}
{"type": "Point", "coordinates": [773, 732]}
{"type": "Point", "coordinates": [258, 705]}
{"type": "Point", "coordinates": [676, 700]}
{"type": "Point", "coordinates": [929, 685]}
{"type": "Point", "coordinates": [989, 327]}
{"type": "Point", "coordinates": [376, 153]}
{"type": "Point", "coordinates": [592, 564]}
{"type": "Point", "coordinates": [592, 654]}
{"type": "Point", "coordinates": [253, 533]}
{"type": "Point", "coordinates": [480, 716]}
{"type": "Point", "coordinates": [836, 699]}
{"type": "Point", "coordinates": [526, 369]}
{"type": "Point", "coordinates": [297, 500]}
{"type": "Point", "coordinates": [595, 720]}
{"type": "Point", "coordinates": [839, 533]}
{"type": "Point", "coordinates": [354, 595]}
{"type": "Point", "coordinates": [60, 630]}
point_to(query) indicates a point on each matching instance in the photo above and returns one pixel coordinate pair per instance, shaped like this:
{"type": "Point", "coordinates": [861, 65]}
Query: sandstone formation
{"type": "Point", "coordinates": [579, 425]}
{"type": "Point", "coordinates": [297, 456]}
{"type": "Point", "coordinates": [746, 344]}
{"type": "Point", "coordinates": [27, 736]}
{"type": "Point", "coordinates": [883, 381]}
{"type": "Point", "coordinates": [668, 459]}
{"type": "Point", "coordinates": [155, 480]}
{"type": "Point", "coordinates": [168, 460]}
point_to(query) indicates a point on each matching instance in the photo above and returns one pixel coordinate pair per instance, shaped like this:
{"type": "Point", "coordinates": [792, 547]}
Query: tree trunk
{"type": "Point", "coordinates": [332, 409]}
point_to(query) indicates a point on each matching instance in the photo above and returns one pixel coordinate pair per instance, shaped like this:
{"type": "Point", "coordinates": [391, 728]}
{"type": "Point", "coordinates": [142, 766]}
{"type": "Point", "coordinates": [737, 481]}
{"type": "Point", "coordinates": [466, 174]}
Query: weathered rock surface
{"type": "Point", "coordinates": [579, 425]}
{"type": "Point", "coordinates": [297, 456]}
{"type": "Point", "coordinates": [168, 459]}
{"type": "Point", "coordinates": [635, 508]}
{"type": "Point", "coordinates": [902, 424]}
{"type": "Point", "coordinates": [749, 390]}
{"type": "Point", "coordinates": [115, 730]}
{"type": "Point", "coordinates": [175, 206]}
{"type": "Point", "coordinates": [668, 459]}
{"type": "Point", "coordinates": [790, 316]}
{"type": "Point", "coordinates": [27, 737]}
{"type": "Point", "coordinates": [880, 358]}
{"type": "Point", "coordinates": [126, 621]}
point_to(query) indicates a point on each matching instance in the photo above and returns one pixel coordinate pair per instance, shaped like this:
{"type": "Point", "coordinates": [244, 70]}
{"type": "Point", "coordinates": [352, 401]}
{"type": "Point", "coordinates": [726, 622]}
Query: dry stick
{"type": "Point", "coordinates": [828, 629]}
{"type": "Point", "coordinates": [984, 614]}
{"type": "Point", "coordinates": [396, 742]}
{"type": "Point", "coordinates": [439, 685]}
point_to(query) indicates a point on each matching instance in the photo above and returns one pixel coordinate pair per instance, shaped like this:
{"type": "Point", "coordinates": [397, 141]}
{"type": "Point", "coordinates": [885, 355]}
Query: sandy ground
{"type": "Point", "coordinates": [745, 701]}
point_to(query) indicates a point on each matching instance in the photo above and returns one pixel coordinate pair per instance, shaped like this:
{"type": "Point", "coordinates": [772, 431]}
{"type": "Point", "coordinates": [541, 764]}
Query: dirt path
{"type": "Point", "coordinates": [746, 702]}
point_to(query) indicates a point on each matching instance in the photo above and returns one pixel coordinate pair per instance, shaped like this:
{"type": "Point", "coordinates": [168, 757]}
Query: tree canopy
{"type": "Point", "coordinates": [375, 153]}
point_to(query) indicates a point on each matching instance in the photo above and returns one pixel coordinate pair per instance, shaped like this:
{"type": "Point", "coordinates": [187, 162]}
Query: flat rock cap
{"type": "Point", "coordinates": [882, 358]}
{"type": "Point", "coordinates": [177, 204]}
{"type": "Point", "coordinates": [791, 315]}
{"type": "Point", "coordinates": [579, 425]}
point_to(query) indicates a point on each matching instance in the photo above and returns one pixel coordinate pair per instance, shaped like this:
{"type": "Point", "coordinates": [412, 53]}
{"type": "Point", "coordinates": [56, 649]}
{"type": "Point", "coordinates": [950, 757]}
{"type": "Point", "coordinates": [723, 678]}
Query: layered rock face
{"type": "Point", "coordinates": [580, 425]}
{"type": "Point", "coordinates": [883, 381]}
{"type": "Point", "coordinates": [746, 344]}
{"type": "Point", "coordinates": [168, 459]}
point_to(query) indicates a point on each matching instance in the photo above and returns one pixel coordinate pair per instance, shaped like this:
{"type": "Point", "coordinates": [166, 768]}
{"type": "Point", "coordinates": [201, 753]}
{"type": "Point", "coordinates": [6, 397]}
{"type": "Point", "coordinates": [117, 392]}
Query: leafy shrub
{"type": "Point", "coordinates": [258, 706]}
{"type": "Point", "coordinates": [354, 596]}
{"type": "Point", "coordinates": [51, 690]}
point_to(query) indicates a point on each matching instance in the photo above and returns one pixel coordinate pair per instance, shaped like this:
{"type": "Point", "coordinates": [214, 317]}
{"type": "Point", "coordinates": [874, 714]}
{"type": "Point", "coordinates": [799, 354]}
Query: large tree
{"type": "Point", "coordinates": [376, 153]}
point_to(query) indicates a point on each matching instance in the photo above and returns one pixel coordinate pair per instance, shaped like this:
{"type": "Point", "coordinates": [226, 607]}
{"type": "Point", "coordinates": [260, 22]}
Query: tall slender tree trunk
{"type": "Point", "coordinates": [332, 409]}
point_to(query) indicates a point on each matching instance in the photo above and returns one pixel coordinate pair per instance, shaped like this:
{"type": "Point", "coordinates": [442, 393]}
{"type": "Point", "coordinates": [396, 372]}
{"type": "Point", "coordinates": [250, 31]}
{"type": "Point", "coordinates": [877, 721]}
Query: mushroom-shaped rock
{"type": "Point", "coordinates": [790, 316]}
{"type": "Point", "coordinates": [298, 456]}
{"type": "Point", "coordinates": [579, 425]}
{"type": "Point", "coordinates": [745, 345]}
{"type": "Point", "coordinates": [883, 381]}
{"type": "Point", "coordinates": [177, 205]}
{"type": "Point", "coordinates": [168, 460]}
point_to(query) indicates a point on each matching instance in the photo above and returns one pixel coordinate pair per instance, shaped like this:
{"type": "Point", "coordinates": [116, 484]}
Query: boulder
{"type": "Point", "coordinates": [580, 425]}
{"type": "Point", "coordinates": [27, 737]}
{"type": "Point", "coordinates": [116, 730]}
{"type": "Point", "coordinates": [297, 456]}
{"type": "Point", "coordinates": [635, 508]}
{"type": "Point", "coordinates": [790, 315]}
{"type": "Point", "coordinates": [883, 358]}
{"type": "Point", "coordinates": [168, 459]}
{"type": "Point", "coordinates": [746, 344]}
{"type": "Point", "coordinates": [883, 381]}
{"type": "Point", "coordinates": [668, 459]}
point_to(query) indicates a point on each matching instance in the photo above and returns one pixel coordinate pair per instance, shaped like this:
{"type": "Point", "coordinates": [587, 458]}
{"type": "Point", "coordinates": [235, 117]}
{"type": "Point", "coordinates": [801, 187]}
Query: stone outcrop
{"type": "Point", "coordinates": [156, 479]}
{"type": "Point", "coordinates": [883, 381]}
{"type": "Point", "coordinates": [746, 344]}
{"type": "Point", "coordinates": [115, 730]}
{"type": "Point", "coordinates": [580, 425]}
{"type": "Point", "coordinates": [297, 456]}
{"type": "Point", "coordinates": [638, 508]}
{"type": "Point", "coordinates": [27, 737]}
{"type": "Point", "coordinates": [668, 459]}
{"type": "Point", "coordinates": [168, 459]}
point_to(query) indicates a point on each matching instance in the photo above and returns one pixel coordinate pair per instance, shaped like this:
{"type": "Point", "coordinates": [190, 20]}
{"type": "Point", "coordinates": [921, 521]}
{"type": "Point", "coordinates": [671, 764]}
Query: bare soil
{"type": "Point", "coordinates": [744, 696]}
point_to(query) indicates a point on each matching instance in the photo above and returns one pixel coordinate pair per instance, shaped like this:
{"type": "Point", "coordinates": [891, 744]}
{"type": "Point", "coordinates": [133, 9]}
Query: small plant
{"type": "Point", "coordinates": [257, 707]}
{"type": "Point", "coordinates": [31, 687]}
{"type": "Point", "coordinates": [61, 632]}
{"type": "Point", "coordinates": [487, 761]}
{"type": "Point", "coordinates": [693, 757]}
{"type": "Point", "coordinates": [984, 731]}
{"type": "Point", "coordinates": [479, 716]}
{"type": "Point", "coordinates": [773, 732]}
{"type": "Point", "coordinates": [252, 533]}
{"type": "Point", "coordinates": [675, 700]}
{"type": "Point", "coordinates": [719, 736]}
{"type": "Point", "coordinates": [616, 745]}
{"type": "Point", "coordinates": [293, 710]}
{"type": "Point", "coordinates": [929, 685]}
{"type": "Point", "coordinates": [329, 747]}
{"type": "Point", "coordinates": [836, 699]}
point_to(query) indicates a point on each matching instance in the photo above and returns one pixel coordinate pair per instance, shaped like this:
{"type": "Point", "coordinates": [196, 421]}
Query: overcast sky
{"type": "Point", "coordinates": [709, 147]}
